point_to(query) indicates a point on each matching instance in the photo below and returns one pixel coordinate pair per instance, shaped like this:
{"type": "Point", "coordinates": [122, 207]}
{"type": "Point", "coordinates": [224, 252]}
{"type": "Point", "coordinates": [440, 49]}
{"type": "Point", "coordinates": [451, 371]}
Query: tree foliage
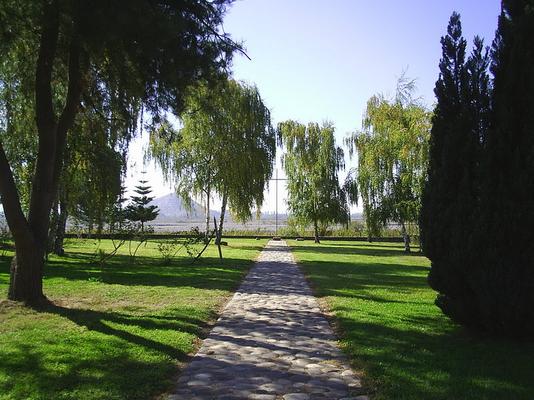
{"type": "Point", "coordinates": [312, 162]}
{"type": "Point", "coordinates": [78, 54]}
{"type": "Point", "coordinates": [452, 190]}
{"type": "Point", "coordinates": [139, 210]}
{"type": "Point", "coordinates": [392, 153]}
{"type": "Point", "coordinates": [477, 217]}
{"type": "Point", "coordinates": [226, 147]}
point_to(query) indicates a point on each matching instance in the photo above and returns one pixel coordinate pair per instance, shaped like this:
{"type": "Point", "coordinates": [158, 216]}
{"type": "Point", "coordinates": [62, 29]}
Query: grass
{"type": "Point", "coordinates": [393, 332]}
{"type": "Point", "coordinates": [120, 331]}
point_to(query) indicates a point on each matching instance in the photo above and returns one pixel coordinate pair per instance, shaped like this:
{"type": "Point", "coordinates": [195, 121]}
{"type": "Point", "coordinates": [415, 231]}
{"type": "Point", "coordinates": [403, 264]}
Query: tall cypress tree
{"type": "Point", "coordinates": [478, 211]}
{"type": "Point", "coordinates": [452, 190]}
{"type": "Point", "coordinates": [445, 165]}
{"type": "Point", "coordinates": [506, 225]}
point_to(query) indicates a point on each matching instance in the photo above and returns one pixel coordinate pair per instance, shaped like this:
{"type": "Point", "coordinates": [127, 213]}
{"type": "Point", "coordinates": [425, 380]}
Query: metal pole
{"type": "Point", "coordinates": [276, 204]}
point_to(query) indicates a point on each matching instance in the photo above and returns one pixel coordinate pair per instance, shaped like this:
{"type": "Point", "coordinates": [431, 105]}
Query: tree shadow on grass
{"type": "Point", "coordinates": [439, 363]}
{"type": "Point", "coordinates": [356, 248]}
{"type": "Point", "coordinates": [110, 355]}
{"type": "Point", "coordinates": [354, 279]}
{"type": "Point", "coordinates": [94, 371]}
{"type": "Point", "coordinates": [101, 321]}
{"type": "Point", "coordinates": [209, 274]}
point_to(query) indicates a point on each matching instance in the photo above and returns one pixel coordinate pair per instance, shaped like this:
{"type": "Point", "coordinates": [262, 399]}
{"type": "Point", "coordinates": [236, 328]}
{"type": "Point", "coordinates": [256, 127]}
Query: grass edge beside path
{"type": "Point", "coordinates": [384, 314]}
{"type": "Point", "coordinates": [120, 331]}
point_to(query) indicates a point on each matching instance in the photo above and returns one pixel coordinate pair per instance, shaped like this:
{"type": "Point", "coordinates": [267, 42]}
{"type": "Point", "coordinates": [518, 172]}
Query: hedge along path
{"type": "Point", "coordinates": [271, 342]}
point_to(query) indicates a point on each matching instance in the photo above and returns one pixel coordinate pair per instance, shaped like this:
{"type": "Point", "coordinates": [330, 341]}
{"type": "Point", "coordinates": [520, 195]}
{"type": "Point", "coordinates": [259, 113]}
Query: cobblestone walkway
{"type": "Point", "coordinates": [271, 342]}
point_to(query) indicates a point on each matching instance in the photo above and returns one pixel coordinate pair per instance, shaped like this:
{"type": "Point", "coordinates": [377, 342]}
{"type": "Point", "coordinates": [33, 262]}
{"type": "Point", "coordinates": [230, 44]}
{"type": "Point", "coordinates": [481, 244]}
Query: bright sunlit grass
{"type": "Point", "coordinates": [114, 332]}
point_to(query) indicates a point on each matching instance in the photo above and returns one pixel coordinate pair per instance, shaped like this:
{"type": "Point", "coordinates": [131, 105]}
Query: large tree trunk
{"type": "Point", "coordinates": [27, 267]}
{"type": "Point", "coordinates": [405, 237]}
{"type": "Point", "coordinates": [221, 219]}
{"type": "Point", "coordinates": [316, 231]}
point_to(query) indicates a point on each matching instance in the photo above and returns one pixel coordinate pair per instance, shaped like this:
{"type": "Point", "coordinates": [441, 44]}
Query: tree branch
{"type": "Point", "coordinates": [42, 194]}
{"type": "Point", "coordinates": [45, 116]}
{"type": "Point", "coordinates": [18, 225]}
{"type": "Point", "coordinates": [66, 120]}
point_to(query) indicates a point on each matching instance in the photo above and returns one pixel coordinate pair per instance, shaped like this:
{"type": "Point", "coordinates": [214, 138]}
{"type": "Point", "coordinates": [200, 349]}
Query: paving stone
{"type": "Point", "coordinates": [271, 342]}
{"type": "Point", "coordinates": [296, 396]}
{"type": "Point", "coordinates": [257, 396]}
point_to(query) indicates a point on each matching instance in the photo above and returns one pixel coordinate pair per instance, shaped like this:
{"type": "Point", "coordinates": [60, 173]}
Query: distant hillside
{"type": "Point", "coordinates": [172, 209]}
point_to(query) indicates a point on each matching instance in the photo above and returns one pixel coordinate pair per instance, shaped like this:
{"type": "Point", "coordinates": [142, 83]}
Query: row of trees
{"type": "Point", "coordinates": [78, 80]}
{"type": "Point", "coordinates": [74, 78]}
{"type": "Point", "coordinates": [478, 208]}
{"type": "Point", "coordinates": [465, 171]}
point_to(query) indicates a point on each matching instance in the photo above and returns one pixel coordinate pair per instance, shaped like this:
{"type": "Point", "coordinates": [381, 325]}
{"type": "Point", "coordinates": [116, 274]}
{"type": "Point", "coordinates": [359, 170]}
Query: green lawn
{"type": "Point", "coordinates": [120, 331]}
{"type": "Point", "coordinates": [398, 338]}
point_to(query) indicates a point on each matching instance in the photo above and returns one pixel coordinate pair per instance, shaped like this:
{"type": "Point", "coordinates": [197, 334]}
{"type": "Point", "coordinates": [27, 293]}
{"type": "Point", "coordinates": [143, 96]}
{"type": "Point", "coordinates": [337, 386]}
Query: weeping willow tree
{"type": "Point", "coordinates": [392, 150]}
{"type": "Point", "coordinates": [225, 147]}
{"type": "Point", "coordinates": [311, 162]}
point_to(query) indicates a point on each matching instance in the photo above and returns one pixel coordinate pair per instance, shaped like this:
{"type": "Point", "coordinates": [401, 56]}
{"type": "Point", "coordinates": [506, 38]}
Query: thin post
{"type": "Point", "coordinates": [276, 179]}
{"type": "Point", "coordinates": [276, 204]}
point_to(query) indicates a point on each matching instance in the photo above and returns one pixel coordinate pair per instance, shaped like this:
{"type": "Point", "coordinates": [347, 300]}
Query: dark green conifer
{"type": "Point", "coordinates": [451, 194]}
{"type": "Point", "coordinates": [139, 209]}
{"type": "Point", "coordinates": [505, 232]}
{"type": "Point", "coordinates": [445, 163]}
{"type": "Point", "coordinates": [478, 207]}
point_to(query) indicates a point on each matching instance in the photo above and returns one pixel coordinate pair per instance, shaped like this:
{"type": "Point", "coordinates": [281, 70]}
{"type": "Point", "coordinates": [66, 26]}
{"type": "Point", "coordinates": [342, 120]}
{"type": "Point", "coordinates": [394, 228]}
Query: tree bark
{"type": "Point", "coordinates": [26, 282]}
{"type": "Point", "coordinates": [217, 234]}
{"type": "Point", "coordinates": [221, 219]}
{"type": "Point", "coordinates": [316, 231]}
{"type": "Point", "coordinates": [405, 237]}
{"type": "Point", "coordinates": [207, 233]}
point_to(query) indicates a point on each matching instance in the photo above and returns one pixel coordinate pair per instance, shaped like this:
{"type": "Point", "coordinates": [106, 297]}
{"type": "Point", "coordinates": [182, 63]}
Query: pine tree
{"type": "Point", "coordinates": [139, 210]}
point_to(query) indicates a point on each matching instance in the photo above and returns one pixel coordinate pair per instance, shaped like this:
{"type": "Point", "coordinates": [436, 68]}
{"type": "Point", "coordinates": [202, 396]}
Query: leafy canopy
{"type": "Point", "coordinates": [311, 162]}
{"type": "Point", "coordinates": [392, 150]}
{"type": "Point", "coordinates": [226, 146]}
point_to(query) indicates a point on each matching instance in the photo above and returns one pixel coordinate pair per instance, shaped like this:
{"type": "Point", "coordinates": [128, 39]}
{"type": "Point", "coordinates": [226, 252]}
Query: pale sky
{"type": "Point", "coordinates": [316, 60]}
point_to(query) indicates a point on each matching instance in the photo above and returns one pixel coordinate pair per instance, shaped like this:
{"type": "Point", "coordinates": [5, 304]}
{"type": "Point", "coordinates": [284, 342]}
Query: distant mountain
{"type": "Point", "coordinates": [356, 216]}
{"type": "Point", "coordinates": [172, 209]}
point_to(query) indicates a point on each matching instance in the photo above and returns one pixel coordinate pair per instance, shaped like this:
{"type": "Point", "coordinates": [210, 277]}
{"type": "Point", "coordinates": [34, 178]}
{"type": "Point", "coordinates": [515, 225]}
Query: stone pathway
{"type": "Point", "coordinates": [271, 342]}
